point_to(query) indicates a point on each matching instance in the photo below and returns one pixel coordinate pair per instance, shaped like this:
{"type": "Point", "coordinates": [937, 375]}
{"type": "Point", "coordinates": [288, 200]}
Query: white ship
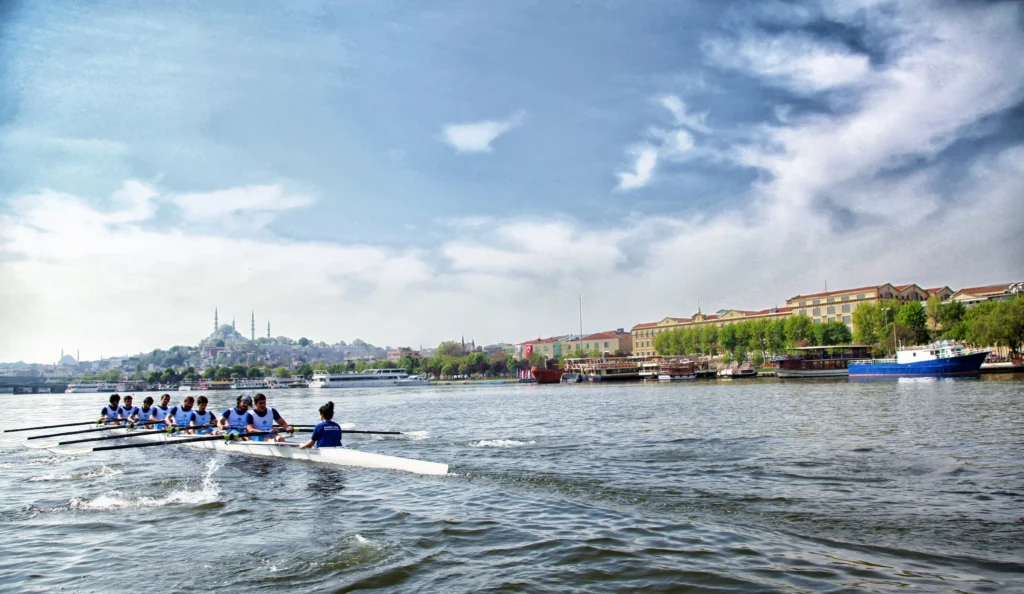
{"type": "Point", "coordinates": [87, 387]}
{"type": "Point", "coordinates": [250, 384]}
{"type": "Point", "coordinates": [371, 378]}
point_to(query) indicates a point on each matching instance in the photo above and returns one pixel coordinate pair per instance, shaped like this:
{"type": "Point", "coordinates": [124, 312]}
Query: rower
{"type": "Point", "coordinates": [261, 418]}
{"type": "Point", "coordinates": [110, 413]}
{"type": "Point", "coordinates": [160, 411]}
{"type": "Point", "coordinates": [233, 419]}
{"type": "Point", "coordinates": [145, 413]}
{"type": "Point", "coordinates": [127, 411]}
{"type": "Point", "coordinates": [327, 434]}
{"type": "Point", "coordinates": [205, 420]}
{"type": "Point", "coordinates": [181, 416]}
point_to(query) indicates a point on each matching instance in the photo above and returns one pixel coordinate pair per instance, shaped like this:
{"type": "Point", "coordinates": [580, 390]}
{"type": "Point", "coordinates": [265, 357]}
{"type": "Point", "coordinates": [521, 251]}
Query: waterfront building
{"type": "Point", "coordinates": [644, 335]}
{"type": "Point", "coordinates": [971, 295]}
{"type": "Point", "coordinates": [396, 355]}
{"type": "Point", "coordinates": [550, 347]}
{"type": "Point", "coordinates": [838, 306]}
{"type": "Point", "coordinates": [611, 342]}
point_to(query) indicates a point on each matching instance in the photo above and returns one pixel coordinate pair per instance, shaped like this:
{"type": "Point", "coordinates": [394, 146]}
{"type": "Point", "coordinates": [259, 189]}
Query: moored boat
{"type": "Point", "coordinates": [549, 374]}
{"type": "Point", "coordinates": [820, 361]}
{"type": "Point", "coordinates": [676, 371]}
{"type": "Point", "coordinates": [90, 387]}
{"type": "Point", "coordinates": [605, 369]}
{"type": "Point", "coordinates": [737, 373]}
{"type": "Point", "coordinates": [939, 359]}
{"type": "Point", "coordinates": [371, 378]}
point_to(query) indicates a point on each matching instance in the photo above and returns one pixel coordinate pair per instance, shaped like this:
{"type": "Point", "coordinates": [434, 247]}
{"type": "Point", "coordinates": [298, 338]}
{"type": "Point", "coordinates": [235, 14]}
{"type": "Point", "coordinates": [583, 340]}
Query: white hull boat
{"type": "Point", "coordinates": [373, 378]}
{"type": "Point", "coordinates": [336, 456]}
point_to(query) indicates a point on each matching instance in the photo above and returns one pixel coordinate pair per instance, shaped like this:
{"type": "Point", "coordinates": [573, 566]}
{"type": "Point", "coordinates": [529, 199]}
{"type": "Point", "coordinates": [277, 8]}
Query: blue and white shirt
{"type": "Point", "coordinates": [264, 422]}
{"type": "Point", "coordinates": [206, 418]}
{"type": "Point", "coordinates": [110, 413]}
{"type": "Point", "coordinates": [327, 435]}
{"type": "Point", "coordinates": [160, 413]}
{"type": "Point", "coordinates": [234, 418]}
{"type": "Point", "coordinates": [181, 416]}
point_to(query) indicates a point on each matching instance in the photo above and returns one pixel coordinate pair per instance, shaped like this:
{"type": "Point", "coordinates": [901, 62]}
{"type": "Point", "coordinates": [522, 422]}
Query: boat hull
{"type": "Point", "coordinates": [969, 364]}
{"type": "Point", "coordinates": [335, 456]}
{"type": "Point", "coordinates": [665, 377]}
{"type": "Point", "coordinates": [398, 383]}
{"type": "Point", "coordinates": [805, 373]}
{"type": "Point", "coordinates": [547, 376]}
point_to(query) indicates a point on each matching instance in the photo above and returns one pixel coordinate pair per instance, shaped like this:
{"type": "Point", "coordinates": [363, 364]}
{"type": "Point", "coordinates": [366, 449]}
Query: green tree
{"type": "Point", "coordinates": [254, 372]}
{"type": "Point", "coordinates": [305, 370]}
{"type": "Point", "coordinates": [449, 348]}
{"type": "Point", "coordinates": [282, 372]}
{"type": "Point", "coordinates": [912, 315]}
{"type": "Point", "coordinates": [209, 372]}
{"type": "Point", "coordinates": [450, 369]}
{"type": "Point", "coordinates": [303, 342]}
{"type": "Point", "coordinates": [218, 343]}
{"type": "Point", "coordinates": [798, 329]}
{"type": "Point", "coordinates": [222, 373]}
{"type": "Point", "coordinates": [153, 377]}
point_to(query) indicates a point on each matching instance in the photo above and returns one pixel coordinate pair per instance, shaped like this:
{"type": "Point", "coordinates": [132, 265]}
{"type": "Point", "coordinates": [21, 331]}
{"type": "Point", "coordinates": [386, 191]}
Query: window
{"type": "Point", "coordinates": [846, 297]}
{"type": "Point", "coordinates": [586, 345]}
{"type": "Point", "coordinates": [816, 311]}
{"type": "Point", "coordinates": [831, 319]}
{"type": "Point", "coordinates": [816, 301]}
{"type": "Point", "coordinates": [606, 345]}
{"type": "Point", "coordinates": [831, 299]}
{"type": "Point", "coordinates": [817, 320]}
{"type": "Point", "coordinates": [846, 308]}
{"type": "Point", "coordinates": [803, 303]}
{"type": "Point", "coordinates": [803, 312]}
{"type": "Point", "coordinates": [861, 296]}
{"type": "Point", "coordinates": [831, 309]}
{"type": "Point", "coordinates": [846, 319]}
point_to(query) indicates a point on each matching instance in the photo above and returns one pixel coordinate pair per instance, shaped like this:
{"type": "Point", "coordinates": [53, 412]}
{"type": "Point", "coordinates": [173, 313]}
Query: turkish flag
{"type": "Point", "coordinates": [529, 350]}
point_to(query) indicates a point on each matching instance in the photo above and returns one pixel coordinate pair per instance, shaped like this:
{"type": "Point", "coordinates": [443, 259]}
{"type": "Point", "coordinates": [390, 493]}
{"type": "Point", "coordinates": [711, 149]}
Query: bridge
{"type": "Point", "coordinates": [26, 384]}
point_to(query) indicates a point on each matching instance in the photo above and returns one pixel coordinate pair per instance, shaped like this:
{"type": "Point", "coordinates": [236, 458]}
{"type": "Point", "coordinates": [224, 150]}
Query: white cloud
{"type": "Point", "coordinates": [645, 159]}
{"type": "Point", "coordinates": [476, 137]}
{"type": "Point", "coordinates": [233, 202]}
{"type": "Point", "coordinates": [677, 107]}
{"type": "Point", "coordinates": [797, 62]}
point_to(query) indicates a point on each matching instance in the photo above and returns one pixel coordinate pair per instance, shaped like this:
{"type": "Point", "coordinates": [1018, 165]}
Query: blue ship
{"type": "Point", "coordinates": [939, 359]}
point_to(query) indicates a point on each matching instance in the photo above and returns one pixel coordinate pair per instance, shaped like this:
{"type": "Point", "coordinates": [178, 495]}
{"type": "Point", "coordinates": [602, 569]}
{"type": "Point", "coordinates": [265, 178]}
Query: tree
{"type": "Point", "coordinates": [254, 372]}
{"type": "Point", "coordinates": [727, 338]}
{"type": "Point", "coordinates": [209, 372]}
{"type": "Point", "coordinates": [282, 372]}
{"type": "Point", "coordinates": [951, 313]}
{"type": "Point", "coordinates": [305, 370]}
{"type": "Point", "coordinates": [303, 342]}
{"type": "Point", "coordinates": [222, 373]}
{"type": "Point", "coordinates": [218, 343]}
{"type": "Point", "coordinates": [449, 369]}
{"type": "Point", "coordinates": [153, 377]}
{"type": "Point", "coordinates": [913, 316]}
{"type": "Point", "coordinates": [798, 329]}
{"type": "Point", "coordinates": [833, 333]}
{"type": "Point", "coordinates": [449, 348]}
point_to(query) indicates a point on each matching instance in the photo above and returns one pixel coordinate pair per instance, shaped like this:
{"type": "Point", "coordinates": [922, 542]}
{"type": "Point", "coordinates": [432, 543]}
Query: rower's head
{"type": "Point", "coordinates": [327, 411]}
{"type": "Point", "coordinates": [114, 399]}
{"type": "Point", "coordinates": [201, 403]}
{"type": "Point", "coordinates": [165, 399]}
{"type": "Point", "coordinates": [187, 404]}
{"type": "Point", "coordinates": [147, 402]}
{"type": "Point", "coordinates": [128, 401]}
{"type": "Point", "coordinates": [244, 402]}
{"type": "Point", "coordinates": [260, 403]}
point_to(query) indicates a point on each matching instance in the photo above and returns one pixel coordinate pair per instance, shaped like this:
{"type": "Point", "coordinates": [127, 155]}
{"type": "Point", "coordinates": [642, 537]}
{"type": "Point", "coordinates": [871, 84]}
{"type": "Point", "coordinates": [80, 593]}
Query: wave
{"type": "Point", "coordinates": [209, 492]}
{"type": "Point", "coordinates": [102, 471]}
{"type": "Point", "coordinates": [500, 443]}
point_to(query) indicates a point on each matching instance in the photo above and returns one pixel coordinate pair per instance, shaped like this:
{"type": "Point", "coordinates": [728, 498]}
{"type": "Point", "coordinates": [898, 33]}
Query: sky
{"type": "Point", "coordinates": [407, 172]}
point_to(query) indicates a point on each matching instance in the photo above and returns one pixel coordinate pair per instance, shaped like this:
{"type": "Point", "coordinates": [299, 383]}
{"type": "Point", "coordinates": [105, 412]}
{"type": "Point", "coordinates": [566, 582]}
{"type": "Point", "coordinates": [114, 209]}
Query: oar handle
{"type": "Point", "coordinates": [105, 428]}
{"type": "Point", "coordinates": [167, 430]}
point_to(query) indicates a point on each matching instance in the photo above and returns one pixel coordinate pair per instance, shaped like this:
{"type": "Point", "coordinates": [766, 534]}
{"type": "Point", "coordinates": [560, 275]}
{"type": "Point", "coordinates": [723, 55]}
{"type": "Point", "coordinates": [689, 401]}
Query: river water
{"type": "Point", "coordinates": [748, 486]}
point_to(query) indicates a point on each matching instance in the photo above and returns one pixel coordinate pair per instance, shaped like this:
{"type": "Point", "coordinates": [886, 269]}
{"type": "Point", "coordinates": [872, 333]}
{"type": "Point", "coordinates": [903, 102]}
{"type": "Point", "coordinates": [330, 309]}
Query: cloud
{"type": "Point", "coordinates": [220, 204]}
{"type": "Point", "coordinates": [645, 159]}
{"type": "Point", "coordinates": [677, 107]}
{"type": "Point", "coordinates": [663, 143]}
{"type": "Point", "coordinates": [797, 62]}
{"type": "Point", "coordinates": [476, 137]}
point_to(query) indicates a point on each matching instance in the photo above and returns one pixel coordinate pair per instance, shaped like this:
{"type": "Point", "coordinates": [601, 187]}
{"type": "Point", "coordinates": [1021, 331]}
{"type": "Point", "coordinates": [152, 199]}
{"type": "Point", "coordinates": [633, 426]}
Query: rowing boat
{"type": "Point", "coordinates": [336, 456]}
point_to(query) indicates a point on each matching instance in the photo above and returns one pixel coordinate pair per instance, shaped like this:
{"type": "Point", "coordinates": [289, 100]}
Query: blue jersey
{"type": "Point", "coordinates": [264, 422]}
{"type": "Point", "coordinates": [327, 435]}
{"type": "Point", "coordinates": [234, 418]}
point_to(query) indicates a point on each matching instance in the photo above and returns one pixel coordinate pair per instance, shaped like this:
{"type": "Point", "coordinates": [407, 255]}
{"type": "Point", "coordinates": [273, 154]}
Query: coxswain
{"type": "Point", "coordinates": [262, 419]}
{"type": "Point", "coordinates": [327, 434]}
{"type": "Point", "coordinates": [160, 411]}
{"type": "Point", "coordinates": [127, 411]}
{"type": "Point", "coordinates": [233, 419]}
{"type": "Point", "coordinates": [204, 420]}
{"type": "Point", "coordinates": [110, 413]}
{"type": "Point", "coordinates": [181, 415]}
{"type": "Point", "coordinates": [145, 413]}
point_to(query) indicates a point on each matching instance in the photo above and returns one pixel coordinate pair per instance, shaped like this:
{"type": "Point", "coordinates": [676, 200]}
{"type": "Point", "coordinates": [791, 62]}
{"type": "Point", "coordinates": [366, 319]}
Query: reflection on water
{"type": "Point", "coordinates": [763, 485]}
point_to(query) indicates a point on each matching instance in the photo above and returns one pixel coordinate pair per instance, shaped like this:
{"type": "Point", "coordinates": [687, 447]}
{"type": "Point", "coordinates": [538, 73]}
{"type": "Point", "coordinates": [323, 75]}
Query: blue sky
{"type": "Point", "coordinates": [405, 172]}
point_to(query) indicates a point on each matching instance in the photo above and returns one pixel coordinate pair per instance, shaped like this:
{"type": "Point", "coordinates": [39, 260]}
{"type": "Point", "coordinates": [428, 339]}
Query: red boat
{"type": "Point", "coordinates": [547, 375]}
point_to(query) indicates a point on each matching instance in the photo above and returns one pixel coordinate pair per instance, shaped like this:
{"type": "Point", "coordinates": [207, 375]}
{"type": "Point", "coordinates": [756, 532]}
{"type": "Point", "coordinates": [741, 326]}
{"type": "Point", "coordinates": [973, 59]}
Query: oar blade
{"type": "Point", "coordinates": [35, 445]}
{"type": "Point", "coordinates": [72, 451]}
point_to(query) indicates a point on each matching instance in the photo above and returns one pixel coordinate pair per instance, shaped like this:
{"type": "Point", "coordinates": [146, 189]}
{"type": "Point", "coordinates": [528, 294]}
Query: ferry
{"type": "Point", "coordinates": [214, 385]}
{"type": "Point", "coordinates": [371, 378]}
{"type": "Point", "coordinates": [940, 359]}
{"type": "Point", "coordinates": [605, 369]}
{"type": "Point", "coordinates": [87, 387]}
{"type": "Point", "coordinates": [676, 371]}
{"type": "Point", "coordinates": [250, 384]}
{"type": "Point", "coordinates": [551, 373]}
{"type": "Point", "coordinates": [737, 373]}
{"type": "Point", "coordinates": [820, 361]}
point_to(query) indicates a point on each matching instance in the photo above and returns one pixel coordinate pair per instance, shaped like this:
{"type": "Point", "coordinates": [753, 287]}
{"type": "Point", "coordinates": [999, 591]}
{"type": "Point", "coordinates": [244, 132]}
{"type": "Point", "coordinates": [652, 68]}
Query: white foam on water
{"type": "Point", "coordinates": [500, 443]}
{"type": "Point", "coordinates": [208, 493]}
{"type": "Point", "coordinates": [362, 540]}
{"type": "Point", "coordinates": [102, 471]}
{"type": "Point", "coordinates": [49, 461]}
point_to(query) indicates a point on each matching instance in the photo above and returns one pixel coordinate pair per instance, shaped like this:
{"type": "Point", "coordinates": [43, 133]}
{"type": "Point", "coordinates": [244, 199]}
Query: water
{"type": "Point", "coordinates": [752, 486]}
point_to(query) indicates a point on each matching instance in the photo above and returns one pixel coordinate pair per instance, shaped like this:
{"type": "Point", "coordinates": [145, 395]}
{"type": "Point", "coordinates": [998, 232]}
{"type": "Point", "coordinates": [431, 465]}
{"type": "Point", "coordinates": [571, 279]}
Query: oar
{"type": "Point", "coordinates": [309, 428]}
{"type": "Point", "coordinates": [51, 426]}
{"type": "Point", "coordinates": [168, 430]}
{"type": "Point", "coordinates": [226, 437]}
{"type": "Point", "coordinates": [106, 428]}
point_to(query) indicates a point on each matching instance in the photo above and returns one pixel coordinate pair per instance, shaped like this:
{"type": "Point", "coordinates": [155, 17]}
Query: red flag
{"type": "Point", "coordinates": [529, 350]}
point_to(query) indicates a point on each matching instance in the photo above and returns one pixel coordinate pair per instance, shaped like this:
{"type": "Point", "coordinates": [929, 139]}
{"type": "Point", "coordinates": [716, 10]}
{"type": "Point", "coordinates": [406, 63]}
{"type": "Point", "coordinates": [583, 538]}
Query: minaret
{"type": "Point", "coordinates": [215, 324]}
{"type": "Point", "coordinates": [268, 328]}
{"type": "Point", "coordinates": [78, 355]}
{"type": "Point", "coordinates": [233, 325]}
{"type": "Point", "coordinates": [254, 326]}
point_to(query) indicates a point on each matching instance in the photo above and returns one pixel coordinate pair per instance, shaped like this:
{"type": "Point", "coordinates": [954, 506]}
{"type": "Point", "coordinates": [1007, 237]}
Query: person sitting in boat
{"type": "Point", "coordinates": [262, 419]}
{"type": "Point", "coordinates": [127, 411]}
{"type": "Point", "coordinates": [204, 420]}
{"type": "Point", "coordinates": [181, 416]}
{"type": "Point", "coordinates": [327, 434]}
{"type": "Point", "coordinates": [233, 419]}
{"type": "Point", "coordinates": [160, 411]}
{"type": "Point", "coordinates": [110, 413]}
{"type": "Point", "coordinates": [145, 413]}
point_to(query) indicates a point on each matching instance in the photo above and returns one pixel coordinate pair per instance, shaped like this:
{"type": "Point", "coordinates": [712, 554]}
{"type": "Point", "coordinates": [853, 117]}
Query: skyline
{"type": "Point", "coordinates": [401, 174]}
